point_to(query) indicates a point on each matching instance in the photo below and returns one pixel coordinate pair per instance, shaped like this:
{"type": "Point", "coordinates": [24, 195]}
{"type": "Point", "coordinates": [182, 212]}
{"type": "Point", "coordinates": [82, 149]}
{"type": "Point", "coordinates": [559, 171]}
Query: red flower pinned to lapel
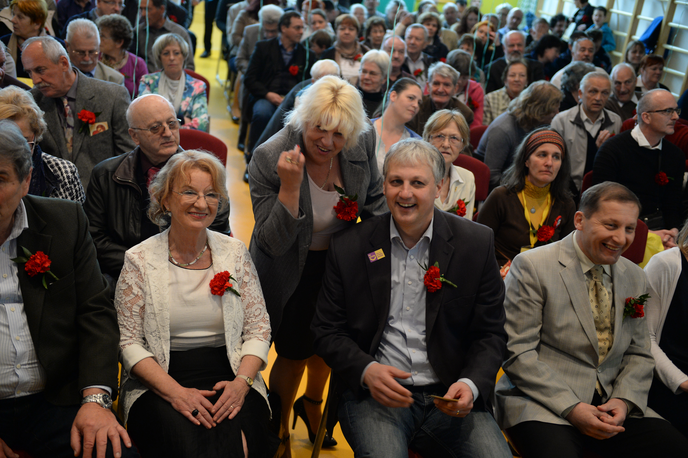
{"type": "Point", "coordinates": [418, 72]}
{"type": "Point", "coordinates": [294, 70]}
{"type": "Point", "coordinates": [433, 279]}
{"type": "Point", "coordinates": [459, 208]}
{"type": "Point", "coordinates": [220, 284]}
{"type": "Point", "coordinates": [87, 118]}
{"type": "Point", "coordinates": [634, 307]}
{"type": "Point", "coordinates": [358, 57]}
{"type": "Point", "coordinates": [35, 264]}
{"type": "Point", "coordinates": [347, 207]}
{"type": "Point", "coordinates": [662, 179]}
{"type": "Point", "coordinates": [443, 60]}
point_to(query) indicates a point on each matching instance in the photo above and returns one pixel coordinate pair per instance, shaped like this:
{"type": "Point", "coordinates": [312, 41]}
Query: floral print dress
{"type": "Point", "coordinates": [194, 102]}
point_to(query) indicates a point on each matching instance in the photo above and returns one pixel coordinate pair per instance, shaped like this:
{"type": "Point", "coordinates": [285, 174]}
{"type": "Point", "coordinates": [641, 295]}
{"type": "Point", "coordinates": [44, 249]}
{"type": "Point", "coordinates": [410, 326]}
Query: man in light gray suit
{"type": "Point", "coordinates": [86, 117]}
{"type": "Point", "coordinates": [578, 366]}
{"type": "Point", "coordinates": [83, 46]}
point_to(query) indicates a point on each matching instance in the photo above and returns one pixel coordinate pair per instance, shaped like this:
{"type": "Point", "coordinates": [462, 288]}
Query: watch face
{"type": "Point", "coordinates": [107, 401]}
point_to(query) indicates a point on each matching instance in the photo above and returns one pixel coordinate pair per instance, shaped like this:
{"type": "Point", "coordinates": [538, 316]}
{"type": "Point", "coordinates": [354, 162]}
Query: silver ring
{"type": "Point", "coordinates": [232, 406]}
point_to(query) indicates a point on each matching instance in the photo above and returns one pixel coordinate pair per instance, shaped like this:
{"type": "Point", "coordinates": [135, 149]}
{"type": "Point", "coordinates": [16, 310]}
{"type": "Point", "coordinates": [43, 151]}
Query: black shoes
{"type": "Point", "coordinates": [205, 54]}
{"type": "Point", "coordinates": [246, 175]}
{"type": "Point", "coordinates": [300, 411]}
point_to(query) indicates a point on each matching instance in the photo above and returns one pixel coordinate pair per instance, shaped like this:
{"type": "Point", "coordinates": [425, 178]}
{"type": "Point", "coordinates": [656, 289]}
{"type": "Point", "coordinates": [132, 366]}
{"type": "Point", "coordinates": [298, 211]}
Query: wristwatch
{"type": "Point", "coordinates": [249, 380]}
{"type": "Point", "coordinates": [104, 400]}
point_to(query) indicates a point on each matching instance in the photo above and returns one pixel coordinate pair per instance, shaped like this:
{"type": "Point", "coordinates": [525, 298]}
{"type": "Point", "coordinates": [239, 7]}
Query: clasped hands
{"type": "Point", "coordinates": [601, 422]}
{"type": "Point", "coordinates": [381, 381]}
{"type": "Point", "coordinates": [188, 400]}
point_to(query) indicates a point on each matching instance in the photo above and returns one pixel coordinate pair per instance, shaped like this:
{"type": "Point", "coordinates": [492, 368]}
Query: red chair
{"type": "Point", "coordinates": [193, 74]}
{"type": "Point", "coordinates": [476, 135]}
{"type": "Point", "coordinates": [481, 172]}
{"type": "Point", "coordinates": [587, 181]}
{"type": "Point", "coordinates": [636, 251]}
{"type": "Point", "coordinates": [196, 139]}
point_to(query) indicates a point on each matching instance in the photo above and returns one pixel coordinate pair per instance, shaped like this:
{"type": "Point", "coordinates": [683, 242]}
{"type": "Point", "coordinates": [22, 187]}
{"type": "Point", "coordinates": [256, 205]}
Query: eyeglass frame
{"type": "Point", "coordinates": [667, 111]}
{"type": "Point", "coordinates": [110, 3]}
{"type": "Point", "coordinates": [198, 196]}
{"type": "Point", "coordinates": [155, 126]}
{"type": "Point", "coordinates": [449, 137]}
{"type": "Point", "coordinates": [83, 54]}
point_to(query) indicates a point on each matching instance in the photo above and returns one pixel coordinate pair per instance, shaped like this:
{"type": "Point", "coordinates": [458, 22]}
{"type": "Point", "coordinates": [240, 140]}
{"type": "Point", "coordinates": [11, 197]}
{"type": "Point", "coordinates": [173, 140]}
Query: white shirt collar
{"type": "Point", "coordinates": [586, 263]}
{"type": "Point", "coordinates": [639, 137]}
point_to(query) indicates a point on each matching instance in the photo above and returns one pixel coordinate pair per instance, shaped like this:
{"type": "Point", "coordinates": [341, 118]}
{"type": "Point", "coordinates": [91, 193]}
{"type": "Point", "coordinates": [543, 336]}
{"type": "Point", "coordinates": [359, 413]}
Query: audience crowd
{"type": "Point", "coordinates": [437, 193]}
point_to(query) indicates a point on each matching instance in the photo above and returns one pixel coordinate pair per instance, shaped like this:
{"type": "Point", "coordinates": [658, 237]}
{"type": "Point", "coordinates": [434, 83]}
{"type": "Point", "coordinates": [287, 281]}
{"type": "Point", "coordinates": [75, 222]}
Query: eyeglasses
{"type": "Point", "coordinates": [191, 197]}
{"type": "Point", "coordinates": [32, 145]}
{"type": "Point", "coordinates": [156, 129]}
{"type": "Point", "coordinates": [440, 138]}
{"type": "Point", "coordinates": [111, 3]}
{"type": "Point", "coordinates": [668, 111]}
{"type": "Point", "coordinates": [83, 54]}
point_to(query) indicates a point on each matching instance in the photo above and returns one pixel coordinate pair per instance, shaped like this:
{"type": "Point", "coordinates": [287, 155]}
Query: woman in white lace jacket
{"type": "Point", "coordinates": [192, 342]}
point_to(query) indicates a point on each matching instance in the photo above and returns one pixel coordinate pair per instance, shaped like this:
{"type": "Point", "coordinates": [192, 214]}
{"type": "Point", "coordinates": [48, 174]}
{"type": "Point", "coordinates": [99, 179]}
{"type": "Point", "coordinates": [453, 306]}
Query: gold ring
{"type": "Point", "coordinates": [290, 160]}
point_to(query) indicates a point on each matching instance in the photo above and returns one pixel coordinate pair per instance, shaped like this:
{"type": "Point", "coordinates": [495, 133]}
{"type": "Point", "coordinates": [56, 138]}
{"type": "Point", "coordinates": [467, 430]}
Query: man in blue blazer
{"type": "Point", "coordinates": [411, 307]}
{"type": "Point", "coordinates": [58, 329]}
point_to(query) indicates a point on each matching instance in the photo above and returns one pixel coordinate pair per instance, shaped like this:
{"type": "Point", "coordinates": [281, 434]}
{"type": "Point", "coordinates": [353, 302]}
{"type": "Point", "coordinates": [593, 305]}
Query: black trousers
{"type": "Point", "coordinates": [643, 438]}
{"type": "Point", "coordinates": [32, 424]}
{"type": "Point", "coordinates": [210, 10]}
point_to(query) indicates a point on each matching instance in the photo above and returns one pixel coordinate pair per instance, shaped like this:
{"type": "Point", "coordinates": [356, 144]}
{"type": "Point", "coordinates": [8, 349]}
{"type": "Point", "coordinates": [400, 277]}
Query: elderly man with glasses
{"type": "Point", "coordinates": [83, 46]}
{"type": "Point", "coordinates": [117, 199]}
{"type": "Point", "coordinates": [650, 167]}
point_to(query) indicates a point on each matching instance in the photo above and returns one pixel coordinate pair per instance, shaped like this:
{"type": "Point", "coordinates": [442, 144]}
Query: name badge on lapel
{"type": "Point", "coordinates": [376, 255]}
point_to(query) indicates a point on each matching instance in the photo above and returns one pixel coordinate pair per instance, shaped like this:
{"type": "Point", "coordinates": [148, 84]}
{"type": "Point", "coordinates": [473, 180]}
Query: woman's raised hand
{"type": "Point", "coordinates": [290, 169]}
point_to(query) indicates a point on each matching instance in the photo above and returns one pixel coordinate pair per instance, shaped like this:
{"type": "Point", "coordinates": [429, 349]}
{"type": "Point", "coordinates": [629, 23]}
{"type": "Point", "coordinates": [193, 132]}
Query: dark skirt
{"type": "Point", "coordinates": [158, 430]}
{"type": "Point", "coordinates": [294, 339]}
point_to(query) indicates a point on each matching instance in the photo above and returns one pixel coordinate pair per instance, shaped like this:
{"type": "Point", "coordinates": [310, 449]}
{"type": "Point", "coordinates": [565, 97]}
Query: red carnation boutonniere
{"type": "Point", "coordinates": [35, 264]}
{"type": "Point", "coordinates": [173, 18]}
{"type": "Point", "coordinates": [472, 104]}
{"type": "Point", "coordinates": [443, 60]}
{"type": "Point", "coordinates": [545, 232]}
{"type": "Point", "coordinates": [347, 207]}
{"type": "Point", "coordinates": [358, 57]}
{"type": "Point", "coordinates": [294, 70]}
{"type": "Point", "coordinates": [662, 179]}
{"type": "Point", "coordinates": [418, 72]}
{"type": "Point", "coordinates": [87, 118]}
{"type": "Point", "coordinates": [433, 279]}
{"type": "Point", "coordinates": [220, 284]}
{"type": "Point", "coordinates": [459, 208]}
{"type": "Point", "coordinates": [635, 306]}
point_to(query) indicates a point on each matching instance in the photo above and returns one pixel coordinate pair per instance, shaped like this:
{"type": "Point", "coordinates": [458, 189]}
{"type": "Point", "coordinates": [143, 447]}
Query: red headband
{"type": "Point", "coordinates": [544, 136]}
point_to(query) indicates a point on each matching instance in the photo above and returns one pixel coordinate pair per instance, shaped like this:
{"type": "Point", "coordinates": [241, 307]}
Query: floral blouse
{"type": "Point", "coordinates": [194, 102]}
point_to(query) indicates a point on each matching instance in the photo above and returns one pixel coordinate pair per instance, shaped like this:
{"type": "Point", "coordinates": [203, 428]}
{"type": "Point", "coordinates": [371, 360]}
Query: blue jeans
{"type": "Point", "coordinates": [262, 113]}
{"type": "Point", "coordinates": [374, 430]}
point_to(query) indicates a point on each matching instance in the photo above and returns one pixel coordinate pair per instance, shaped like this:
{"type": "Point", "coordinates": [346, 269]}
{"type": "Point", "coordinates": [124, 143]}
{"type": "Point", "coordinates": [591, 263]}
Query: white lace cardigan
{"type": "Point", "coordinates": [142, 300]}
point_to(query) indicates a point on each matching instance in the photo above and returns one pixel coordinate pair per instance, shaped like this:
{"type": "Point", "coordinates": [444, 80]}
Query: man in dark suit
{"type": "Point", "coordinates": [66, 96]}
{"type": "Point", "coordinates": [514, 46]}
{"type": "Point", "coordinates": [395, 333]}
{"type": "Point", "coordinates": [58, 329]}
{"type": "Point", "coordinates": [275, 67]}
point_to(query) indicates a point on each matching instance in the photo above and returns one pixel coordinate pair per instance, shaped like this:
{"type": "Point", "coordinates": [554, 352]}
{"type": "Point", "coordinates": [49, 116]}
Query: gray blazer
{"type": "Point", "coordinates": [252, 34]}
{"type": "Point", "coordinates": [108, 99]}
{"type": "Point", "coordinates": [552, 352]}
{"type": "Point", "coordinates": [105, 73]}
{"type": "Point", "coordinates": [280, 242]}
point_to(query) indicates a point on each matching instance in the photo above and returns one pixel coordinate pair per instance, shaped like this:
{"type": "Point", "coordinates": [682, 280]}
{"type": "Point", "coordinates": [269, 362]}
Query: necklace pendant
{"type": "Point", "coordinates": [532, 210]}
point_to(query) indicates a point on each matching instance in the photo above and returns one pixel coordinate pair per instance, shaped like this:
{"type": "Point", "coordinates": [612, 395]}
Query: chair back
{"type": "Point", "coordinates": [481, 172]}
{"type": "Point", "coordinates": [197, 139]}
{"type": "Point", "coordinates": [476, 134]}
{"type": "Point", "coordinates": [193, 74]}
{"type": "Point", "coordinates": [587, 182]}
{"type": "Point", "coordinates": [636, 252]}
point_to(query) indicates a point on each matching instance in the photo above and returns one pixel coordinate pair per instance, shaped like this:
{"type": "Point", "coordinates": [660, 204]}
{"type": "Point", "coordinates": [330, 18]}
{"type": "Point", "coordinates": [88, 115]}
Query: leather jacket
{"type": "Point", "coordinates": [114, 208]}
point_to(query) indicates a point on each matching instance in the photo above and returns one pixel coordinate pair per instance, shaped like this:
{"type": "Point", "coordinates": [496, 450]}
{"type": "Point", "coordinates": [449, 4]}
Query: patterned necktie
{"type": "Point", "coordinates": [69, 124]}
{"type": "Point", "coordinates": [602, 312]}
{"type": "Point", "coordinates": [150, 174]}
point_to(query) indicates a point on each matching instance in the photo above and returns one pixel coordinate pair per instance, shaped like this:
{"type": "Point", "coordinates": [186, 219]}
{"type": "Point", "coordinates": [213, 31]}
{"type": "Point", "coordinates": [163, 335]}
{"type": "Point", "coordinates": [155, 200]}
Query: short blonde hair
{"type": "Point", "coordinates": [177, 170]}
{"type": "Point", "coordinates": [331, 103]}
{"type": "Point", "coordinates": [163, 42]}
{"type": "Point", "coordinates": [16, 104]}
{"type": "Point", "coordinates": [441, 119]}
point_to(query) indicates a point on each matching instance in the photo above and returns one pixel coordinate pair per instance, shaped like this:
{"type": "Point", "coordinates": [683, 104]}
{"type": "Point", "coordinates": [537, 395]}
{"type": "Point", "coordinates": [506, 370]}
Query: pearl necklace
{"type": "Point", "coordinates": [180, 264]}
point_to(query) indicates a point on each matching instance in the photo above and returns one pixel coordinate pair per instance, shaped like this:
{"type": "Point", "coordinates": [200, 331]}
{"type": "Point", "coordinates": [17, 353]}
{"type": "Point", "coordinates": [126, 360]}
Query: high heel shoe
{"type": "Point", "coordinates": [300, 411]}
